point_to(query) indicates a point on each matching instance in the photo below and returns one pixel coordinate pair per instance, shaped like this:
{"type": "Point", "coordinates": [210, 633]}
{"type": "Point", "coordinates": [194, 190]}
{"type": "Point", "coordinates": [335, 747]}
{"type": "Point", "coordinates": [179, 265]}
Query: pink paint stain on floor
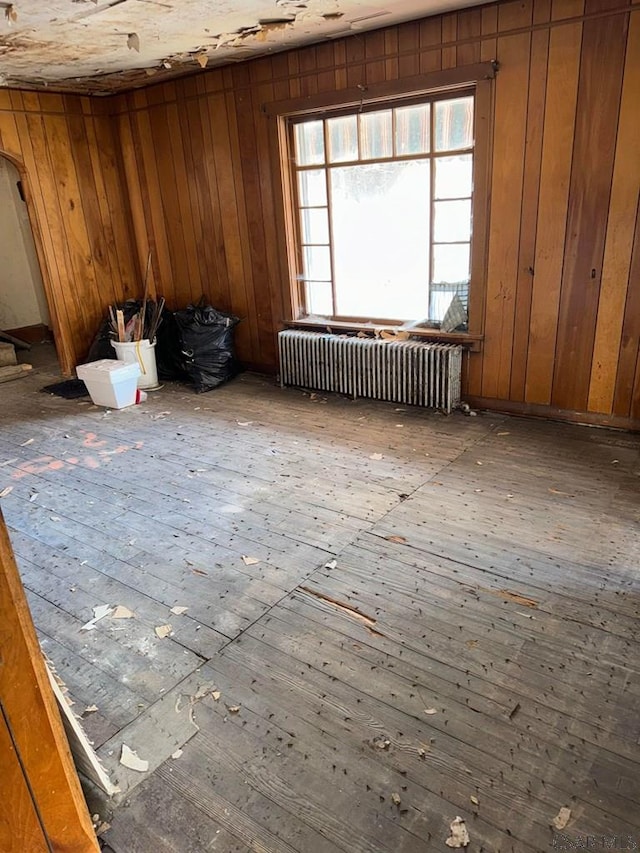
{"type": "Point", "coordinates": [41, 464]}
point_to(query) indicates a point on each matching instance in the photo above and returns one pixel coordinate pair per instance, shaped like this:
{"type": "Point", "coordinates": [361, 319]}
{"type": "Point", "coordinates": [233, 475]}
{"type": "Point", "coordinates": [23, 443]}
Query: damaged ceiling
{"type": "Point", "coordinates": [102, 46]}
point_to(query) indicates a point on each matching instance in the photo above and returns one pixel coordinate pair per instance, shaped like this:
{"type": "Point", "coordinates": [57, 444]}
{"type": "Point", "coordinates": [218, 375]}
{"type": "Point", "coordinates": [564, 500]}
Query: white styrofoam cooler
{"type": "Point", "coordinates": [110, 382]}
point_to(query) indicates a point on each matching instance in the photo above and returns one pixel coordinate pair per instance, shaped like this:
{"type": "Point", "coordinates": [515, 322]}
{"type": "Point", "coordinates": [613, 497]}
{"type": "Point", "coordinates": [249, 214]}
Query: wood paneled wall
{"type": "Point", "coordinates": [200, 167]}
{"type": "Point", "coordinates": [562, 300]}
{"type": "Point", "coordinates": [69, 161]}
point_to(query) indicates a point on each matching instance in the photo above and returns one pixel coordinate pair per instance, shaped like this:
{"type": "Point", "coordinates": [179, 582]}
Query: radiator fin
{"type": "Point", "coordinates": [412, 372]}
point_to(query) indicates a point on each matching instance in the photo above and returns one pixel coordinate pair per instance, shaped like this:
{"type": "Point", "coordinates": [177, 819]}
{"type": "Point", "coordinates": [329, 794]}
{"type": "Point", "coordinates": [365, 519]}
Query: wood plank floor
{"type": "Point", "coordinates": [394, 617]}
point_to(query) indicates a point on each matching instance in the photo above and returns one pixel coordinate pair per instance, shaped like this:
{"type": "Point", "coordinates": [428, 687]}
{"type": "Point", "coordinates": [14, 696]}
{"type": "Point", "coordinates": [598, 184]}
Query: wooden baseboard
{"type": "Point", "coordinates": [32, 334]}
{"type": "Point", "coordinates": [535, 410]}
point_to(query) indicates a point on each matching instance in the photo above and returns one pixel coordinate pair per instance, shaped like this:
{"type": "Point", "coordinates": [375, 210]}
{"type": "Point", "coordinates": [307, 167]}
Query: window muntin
{"type": "Point", "coordinates": [384, 211]}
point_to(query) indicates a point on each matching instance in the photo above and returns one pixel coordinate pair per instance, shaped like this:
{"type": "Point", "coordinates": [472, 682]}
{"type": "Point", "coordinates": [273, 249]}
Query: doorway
{"type": "Point", "coordinates": [24, 312]}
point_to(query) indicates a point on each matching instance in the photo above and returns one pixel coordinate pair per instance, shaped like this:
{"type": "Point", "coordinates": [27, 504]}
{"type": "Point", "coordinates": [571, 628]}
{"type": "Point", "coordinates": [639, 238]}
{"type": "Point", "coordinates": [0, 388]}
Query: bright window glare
{"type": "Point", "coordinates": [380, 220]}
{"type": "Point", "coordinates": [384, 212]}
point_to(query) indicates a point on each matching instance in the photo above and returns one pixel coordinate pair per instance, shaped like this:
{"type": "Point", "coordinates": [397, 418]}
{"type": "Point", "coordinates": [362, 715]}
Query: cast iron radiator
{"type": "Point", "coordinates": [421, 374]}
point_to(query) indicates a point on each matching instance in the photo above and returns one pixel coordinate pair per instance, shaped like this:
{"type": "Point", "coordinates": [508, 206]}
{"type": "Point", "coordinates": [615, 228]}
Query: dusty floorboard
{"type": "Point", "coordinates": [433, 617]}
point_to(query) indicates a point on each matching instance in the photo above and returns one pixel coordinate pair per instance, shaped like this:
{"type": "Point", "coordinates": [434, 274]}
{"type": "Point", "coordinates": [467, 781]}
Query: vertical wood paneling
{"type": "Point", "coordinates": [200, 218]}
{"type": "Point", "coordinates": [506, 206]}
{"type": "Point", "coordinates": [559, 120]}
{"type": "Point", "coordinates": [628, 376]}
{"type": "Point", "coordinates": [116, 216]}
{"type": "Point", "coordinates": [226, 171]}
{"type": "Point", "coordinates": [430, 45]}
{"type": "Point", "coordinates": [145, 163]}
{"type": "Point", "coordinates": [77, 207]}
{"type": "Point", "coordinates": [620, 231]}
{"type": "Point", "coordinates": [469, 30]}
{"type": "Point", "coordinates": [603, 51]}
{"type": "Point", "coordinates": [137, 194]}
{"type": "Point", "coordinates": [530, 195]}
{"type": "Point", "coordinates": [220, 290]}
{"type": "Point", "coordinates": [255, 240]}
{"type": "Point", "coordinates": [187, 204]}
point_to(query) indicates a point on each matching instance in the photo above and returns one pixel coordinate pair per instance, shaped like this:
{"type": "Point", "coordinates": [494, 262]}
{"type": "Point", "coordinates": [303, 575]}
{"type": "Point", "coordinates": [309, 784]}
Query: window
{"type": "Point", "coordinates": [382, 199]}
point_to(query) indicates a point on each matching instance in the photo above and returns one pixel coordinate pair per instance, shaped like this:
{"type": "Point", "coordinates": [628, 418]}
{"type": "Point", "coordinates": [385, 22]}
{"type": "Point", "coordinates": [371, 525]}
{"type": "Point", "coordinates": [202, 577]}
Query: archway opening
{"type": "Point", "coordinates": [24, 312]}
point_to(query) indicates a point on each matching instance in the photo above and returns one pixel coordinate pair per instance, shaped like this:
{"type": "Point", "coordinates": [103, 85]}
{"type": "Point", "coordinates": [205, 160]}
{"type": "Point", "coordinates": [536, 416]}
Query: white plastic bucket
{"type": "Point", "coordinates": [143, 354]}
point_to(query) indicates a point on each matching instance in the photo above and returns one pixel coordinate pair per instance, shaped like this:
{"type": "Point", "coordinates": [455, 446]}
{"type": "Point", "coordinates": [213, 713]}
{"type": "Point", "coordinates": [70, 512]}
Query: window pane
{"type": "Point", "coordinates": [412, 130]}
{"type": "Point", "coordinates": [309, 143]}
{"type": "Point", "coordinates": [315, 225]}
{"type": "Point", "coordinates": [380, 222]}
{"type": "Point", "coordinates": [451, 263]}
{"type": "Point", "coordinates": [317, 263]}
{"type": "Point", "coordinates": [312, 188]}
{"type": "Point", "coordinates": [343, 138]}
{"type": "Point", "coordinates": [375, 135]}
{"type": "Point", "coordinates": [452, 221]}
{"type": "Point", "coordinates": [319, 298]}
{"type": "Point", "coordinates": [454, 176]}
{"type": "Point", "coordinates": [454, 124]}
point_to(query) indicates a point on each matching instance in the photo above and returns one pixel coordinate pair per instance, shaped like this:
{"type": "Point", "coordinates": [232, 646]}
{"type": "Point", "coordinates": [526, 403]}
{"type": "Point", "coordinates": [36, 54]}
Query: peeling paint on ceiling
{"type": "Point", "coordinates": [101, 46]}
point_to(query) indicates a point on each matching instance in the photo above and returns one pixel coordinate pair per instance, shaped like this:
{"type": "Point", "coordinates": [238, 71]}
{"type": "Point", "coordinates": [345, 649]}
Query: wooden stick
{"type": "Point", "coordinates": [144, 300]}
{"type": "Point", "coordinates": [120, 319]}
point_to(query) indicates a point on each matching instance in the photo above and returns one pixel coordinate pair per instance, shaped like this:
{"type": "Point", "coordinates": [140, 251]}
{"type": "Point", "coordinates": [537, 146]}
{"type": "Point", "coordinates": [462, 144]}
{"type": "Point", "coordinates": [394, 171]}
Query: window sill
{"type": "Point", "coordinates": [470, 340]}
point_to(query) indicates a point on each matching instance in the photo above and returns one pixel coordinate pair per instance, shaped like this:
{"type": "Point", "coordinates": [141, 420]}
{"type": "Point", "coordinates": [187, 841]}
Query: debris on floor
{"type": "Point", "coordinates": [14, 371]}
{"type": "Point", "coordinates": [129, 758]}
{"type": "Point", "coordinates": [562, 818]}
{"type": "Point", "coordinates": [99, 612]}
{"type": "Point", "coordinates": [122, 612]}
{"type": "Point", "coordinates": [178, 610]}
{"type": "Point", "coordinates": [84, 755]}
{"type": "Point", "coordinates": [163, 631]}
{"type": "Point", "coordinates": [459, 836]}
{"type": "Point", "coordinates": [205, 690]}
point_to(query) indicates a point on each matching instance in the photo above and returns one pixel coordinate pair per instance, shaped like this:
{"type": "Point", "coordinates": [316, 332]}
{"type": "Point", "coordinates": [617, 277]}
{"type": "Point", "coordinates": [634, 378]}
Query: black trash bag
{"type": "Point", "coordinates": [170, 360]}
{"type": "Point", "coordinates": [207, 345]}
